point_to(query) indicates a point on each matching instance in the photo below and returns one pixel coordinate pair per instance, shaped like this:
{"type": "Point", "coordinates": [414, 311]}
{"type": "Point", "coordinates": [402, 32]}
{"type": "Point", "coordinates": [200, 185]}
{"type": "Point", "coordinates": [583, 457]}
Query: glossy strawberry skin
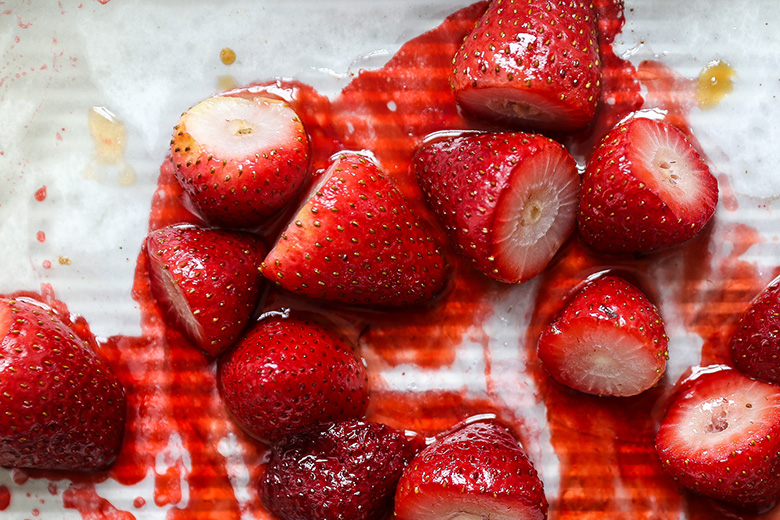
{"type": "Point", "coordinates": [216, 273]}
{"type": "Point", "coordinates": [241, 192]}
{"type": "Point", "coordinates": [537, 52]}
{"type": "Point", "coordinates": [287, 376]}
{"type": "Point", "coordinates": [755, 344]}
{"type": "Point", "coordinates": [743, 469]}
{"type": "Point", "coordinates": [478, 468]}
{"type": "Point", "coordinates": [63, 407]}
{"type": "Point", "coordinates": [466, 177]}
{"type": "Point", "coordinates": [621, 213]}
{"type": "Point", "coordinates": [356, 241]}
{"type": "Point", "coordinates": [346, 471]}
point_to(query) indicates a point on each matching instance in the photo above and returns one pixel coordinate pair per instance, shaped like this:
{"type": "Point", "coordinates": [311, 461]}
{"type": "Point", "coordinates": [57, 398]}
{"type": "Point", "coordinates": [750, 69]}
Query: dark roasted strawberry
{"type": "Point", "coordinates": [63, 407]}
{"type": "Point", "coordinates": [535, 63]}
{"type": "Point", "coordinates": [287, 376]}
{"type": "Point", "coordinates": [755, 344]}
{"type": "Point", "coordinates": [348, 471]}
{"type": "Point", "coordinates": [356, 241]}
{"type": "Point", "coordinates": [508, 201]}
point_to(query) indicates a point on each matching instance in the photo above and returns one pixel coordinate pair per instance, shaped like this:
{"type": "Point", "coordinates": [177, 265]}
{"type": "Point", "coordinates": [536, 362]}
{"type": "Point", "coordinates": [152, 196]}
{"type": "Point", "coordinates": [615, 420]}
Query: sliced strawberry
{"type": "Point", "coordinates": [348, 471]}
{"type": "Point", "coordinates": [755, 344]}
{"type": "Point", "coordinates": [645, 188]}
{"type": "Point", "coordinates": [287, 376]}
{"type": "Point", "coordinates": [355, 241]}
{"type": "Point", "coordinates": [240, 159]}
{"type": "Point", "coordinates": [535, 63]}
{"type": "Point", "coordinates": [63, 407]}
{"type": "Point", "coordinates": [608, 340]}
{"type": "Point", "coordinates": [721, 437]}
{"type": "Point", "coordinates": [208, 280]}
{"type": "Point", "coordinates": [478, 471]}
{"type": "Point", "coordinates": [508, 201]}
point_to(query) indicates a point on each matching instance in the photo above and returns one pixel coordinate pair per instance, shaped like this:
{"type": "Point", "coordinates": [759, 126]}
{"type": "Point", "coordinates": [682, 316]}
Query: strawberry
{"type": "Point", "coordinates": [346, 471]}
{"type": "Point", "coordinates": [607, 340]}
{"type": "Point", "coordinates": [721, 437]}
{"type": "Point", "coordinates": [645, 188]}
{"type": "Point", "coordinates": [478, 471]}
{"type": "Point", "coordinates": [508, 201]}
{"type": "Point", "coordinates": [208, 280]}
{"type": "Point", "coordinates": [355, 241]}
{"type": "Point", "coordinates": [63, 407]}
{"type": "Point", "coordinates": [287, 376]}
{"type": "Point", "coordinates": [534, 63]}
{"type": "Point", "coordinates": [755, 344]}
{"type": "Point", "coordinates": [240, 159]}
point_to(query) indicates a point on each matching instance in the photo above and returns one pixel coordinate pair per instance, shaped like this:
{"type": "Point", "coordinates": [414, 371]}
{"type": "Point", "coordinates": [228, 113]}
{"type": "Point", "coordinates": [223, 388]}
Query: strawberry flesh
{"type": "Point", "coordinates": [348, 471]}
{"type": "Point", "coordinates": [534, 64]}
{"type": "Point", "coordinates": [63, 407]}
{"type": "Point", "coordinates": [287, 376]}
{"type": "Point", "coordinates": [208, 280]}
{"type": "Point", "coordinates": [608, 340]}
{"type": "Point", "coordinates": [354, 240]}
{"type": "Point", "coordinates": [508, 201]}
{"type": "Point", "coordinates": [645, 188]}
{"type": "Point", "coordinates": [755, 344]}
{"type": "Point", "coordinates": [721, 437]}
{"type": "Point", "coordinates": [478, 471]}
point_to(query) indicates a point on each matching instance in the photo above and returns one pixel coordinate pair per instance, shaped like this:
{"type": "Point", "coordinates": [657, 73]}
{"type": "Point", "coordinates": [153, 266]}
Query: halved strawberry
{"type": "Point", "coordinates": [534, 62]}
{"type": "Point", "coordinates": [355, 241]}
{"type": "Point", "coordinates": [240, 159]}
{"type": "Point", "coordinates": [478, 471]}
{"type": "Point", "coordinates": [721, 437]}
{"type": "Point", "coordinates": [508, 200]}
{"type": "Point", "coordinates": [645, 188]}
{"type": "Point", "coordinates": [755, 344]}
{"type": "Point", "coordinates": [208, 279]}
{"type": "Point", "coordinates": [608, 340]}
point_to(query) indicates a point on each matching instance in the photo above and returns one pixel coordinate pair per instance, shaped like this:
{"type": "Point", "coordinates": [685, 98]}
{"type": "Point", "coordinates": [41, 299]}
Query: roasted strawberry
{"type": "Point", "coordinates": [240, 159]}
{"type": "Point", "coordinates": [287, 376]}
{"type": "Point", "coordinates": [209, 281]}
{"type": "Point", "coordinates": [355, 241]}
{"type": "Point", "coordinates": [645, 188]}
{"type": "Point", "coordinates": [535, 63]}
{"type": "Point", "coordinates": [63, 407]}
{"type": "Point", "coordinates": [348, 471]}
{"type": "Point", "coordinates": [721, 437]}
{"type": "Point", "coordinates": [508, 201]}
{"type": "Point", "coordinates": [755, 344]}
{"type": "Point", "coordinates": [607, 340]}
{"type": "Point", "coordinates": [478, 471]}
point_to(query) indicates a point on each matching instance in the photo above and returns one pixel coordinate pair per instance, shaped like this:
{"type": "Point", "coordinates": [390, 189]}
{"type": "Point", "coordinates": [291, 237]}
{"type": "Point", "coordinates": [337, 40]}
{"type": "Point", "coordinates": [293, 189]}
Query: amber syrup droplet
{"type": "Point", "coordinates": [715, 81]}
{"type": "Point", "coordinates": [228, 56]}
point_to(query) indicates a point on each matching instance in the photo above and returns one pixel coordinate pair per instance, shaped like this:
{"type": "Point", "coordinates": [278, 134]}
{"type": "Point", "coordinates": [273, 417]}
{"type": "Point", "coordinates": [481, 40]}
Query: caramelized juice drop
{"type": "Point", "coordinates": [715, 81]}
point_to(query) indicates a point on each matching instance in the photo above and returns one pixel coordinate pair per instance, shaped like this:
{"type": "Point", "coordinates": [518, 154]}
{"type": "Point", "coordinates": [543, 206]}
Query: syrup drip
{"type": "Point", "coordinates": [109, 138]}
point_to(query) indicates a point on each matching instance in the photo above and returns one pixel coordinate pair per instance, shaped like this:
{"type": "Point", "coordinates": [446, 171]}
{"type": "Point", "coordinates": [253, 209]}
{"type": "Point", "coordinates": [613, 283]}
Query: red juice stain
{"type": "Point", "coordinates": [84, 499]}
{"type": "Point", "coordinates": [46, 264]}
{"type": "Point", "coordinates": [40, 236]}
{"type": "Point", "coordinates": [52, 488]}
{"type": "Point", "coordinates": [5, 498]}
{"type": "Point", "coordinates": [40, 194]}
{"type": "Point", "coordinates": [139, 502]}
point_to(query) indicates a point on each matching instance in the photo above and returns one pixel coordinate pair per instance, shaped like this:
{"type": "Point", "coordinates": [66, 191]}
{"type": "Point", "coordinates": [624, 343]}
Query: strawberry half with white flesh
{"type": "Point", "coordinates": [755, 344]}
{"type": "Point", "coordinates": [355, 241]}
{"type": "Point", "coordinates": [608, 340]}
{"type": "Point", "coordinates": [240, 159]}
{"type": "Point", "coordinates": [477, 472]}
{"type": "Point", "coordinates": [721, 437]}
{"type": "Point", "coordinates": [645, 188]}
{"type": "Point", "coordinates": [508, 201]}
{"type": "Point", "coordinates": [534, 63]}
{"type": "Point", "coordinates": [208, 279]}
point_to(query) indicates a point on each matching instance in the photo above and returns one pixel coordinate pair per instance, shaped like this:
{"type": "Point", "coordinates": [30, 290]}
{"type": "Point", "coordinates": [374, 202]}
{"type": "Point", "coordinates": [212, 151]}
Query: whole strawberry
{"type": "Point", "coordinates": [208, 279]}
{"type": "Point", "coordinates": [287, 376]}
{"type": "Point", "coordinates": [608, 340]}
{"type": "Point", "coordinates": [63, 407]}
{"type": "Point", "coordinates": [508, 201]}
{"type": "Point", "coordinates": [645, 188]}
{"type": "Point", "coordinates": [240, 159]}
{"type": "Point", "coordinates": [755, 344]}
{"type": "Point", "coordinates": [347, 471]}
{"type": "Point", "coordinates": [355, 241]}
{"type": "Point", "coordinates": [478, 471]}
{"type": "Point", "coordinates": [721, 437]}
{"type": "Point", "coordinates": [535, 63]}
